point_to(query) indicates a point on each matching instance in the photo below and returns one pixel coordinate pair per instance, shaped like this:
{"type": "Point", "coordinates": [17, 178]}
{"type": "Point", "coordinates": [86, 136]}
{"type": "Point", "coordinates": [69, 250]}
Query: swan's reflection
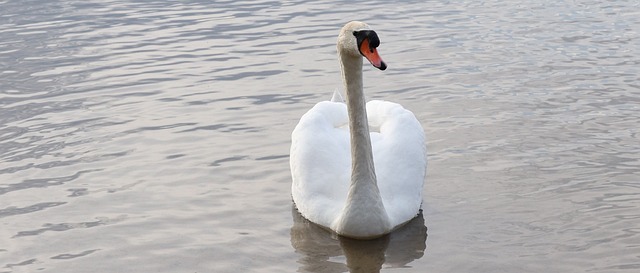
{"type": "Point", "coordinates": [324, 251]}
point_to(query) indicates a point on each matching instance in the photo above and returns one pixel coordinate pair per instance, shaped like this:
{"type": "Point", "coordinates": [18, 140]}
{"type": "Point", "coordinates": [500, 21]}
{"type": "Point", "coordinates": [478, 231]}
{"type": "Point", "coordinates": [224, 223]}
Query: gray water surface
{"type": "Point", "coordinates": [153, 136]}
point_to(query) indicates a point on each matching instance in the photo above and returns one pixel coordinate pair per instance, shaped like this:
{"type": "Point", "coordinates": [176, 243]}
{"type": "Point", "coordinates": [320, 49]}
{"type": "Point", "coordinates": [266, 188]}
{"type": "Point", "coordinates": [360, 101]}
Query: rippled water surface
{"type": "Point", "coordinates": [144, 136]}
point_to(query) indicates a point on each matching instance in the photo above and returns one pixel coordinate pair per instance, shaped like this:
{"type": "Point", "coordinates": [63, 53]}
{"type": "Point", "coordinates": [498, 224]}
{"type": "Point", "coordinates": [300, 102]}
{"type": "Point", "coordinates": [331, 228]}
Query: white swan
{"type": "Point", "coordinates": [359, 184]}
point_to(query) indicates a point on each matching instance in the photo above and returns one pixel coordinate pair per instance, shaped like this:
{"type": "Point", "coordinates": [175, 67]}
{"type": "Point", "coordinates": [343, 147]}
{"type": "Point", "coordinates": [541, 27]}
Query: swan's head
{"type": "Point", "coordinates": [358, 39]}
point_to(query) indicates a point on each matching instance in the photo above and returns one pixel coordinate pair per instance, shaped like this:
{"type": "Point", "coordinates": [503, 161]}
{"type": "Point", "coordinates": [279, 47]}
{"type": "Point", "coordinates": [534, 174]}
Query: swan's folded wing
{"type": "Point", "coordinates": [399, 153]}
{"type": "Point", "coordinates": [320, 162]}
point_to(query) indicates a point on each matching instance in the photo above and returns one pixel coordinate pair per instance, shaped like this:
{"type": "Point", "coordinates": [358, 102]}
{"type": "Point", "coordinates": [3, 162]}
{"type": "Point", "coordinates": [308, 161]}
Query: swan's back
{"type": "Point", "coordinates": [321, 161]}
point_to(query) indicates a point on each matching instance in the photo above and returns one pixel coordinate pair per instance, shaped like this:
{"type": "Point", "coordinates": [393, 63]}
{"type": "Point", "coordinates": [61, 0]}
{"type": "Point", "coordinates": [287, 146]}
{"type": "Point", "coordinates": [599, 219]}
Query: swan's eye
{"type": "Point", "coordinates": [355, 33]}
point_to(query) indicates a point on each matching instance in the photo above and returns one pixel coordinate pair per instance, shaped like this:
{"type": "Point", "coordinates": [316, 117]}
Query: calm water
{"type": "Point", "coordinates": [153, 136]}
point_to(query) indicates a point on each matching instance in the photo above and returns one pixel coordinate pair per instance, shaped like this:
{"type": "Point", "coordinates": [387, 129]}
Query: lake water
{"type": "Point", "coordinates": [153, 136]}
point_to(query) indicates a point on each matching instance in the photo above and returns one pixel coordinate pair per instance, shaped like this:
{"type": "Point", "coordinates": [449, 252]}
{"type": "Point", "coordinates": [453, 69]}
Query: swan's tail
{"type": "Point", "coordinates": [337, 97]}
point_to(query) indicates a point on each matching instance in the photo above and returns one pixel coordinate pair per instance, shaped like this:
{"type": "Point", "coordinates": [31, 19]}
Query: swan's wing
{"type": "Point", "coordinates": [320, 162]}
{"type": "Point", "coordinates": [399, 153]}
{"type": "Point", "coordinates": [337, 96]}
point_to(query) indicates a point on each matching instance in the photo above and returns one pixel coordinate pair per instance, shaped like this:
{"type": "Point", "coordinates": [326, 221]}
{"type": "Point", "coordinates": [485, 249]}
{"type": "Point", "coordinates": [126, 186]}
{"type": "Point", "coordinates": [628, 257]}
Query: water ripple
{"type": "Point", "coordinates": [178, 115]}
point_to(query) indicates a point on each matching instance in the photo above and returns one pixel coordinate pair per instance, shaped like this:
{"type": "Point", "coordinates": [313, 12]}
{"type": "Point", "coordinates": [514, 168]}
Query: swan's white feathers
{"type": "Point", "coordinates": [399, 156]}
{"type": "Point", "coordinates": [337, 96]}
{"type": "Point", "coordinates": [321, 160]}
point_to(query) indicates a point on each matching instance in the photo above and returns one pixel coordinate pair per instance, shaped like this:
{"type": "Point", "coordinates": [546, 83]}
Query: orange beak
{"type": "Point", "coordinates": [372, 55]}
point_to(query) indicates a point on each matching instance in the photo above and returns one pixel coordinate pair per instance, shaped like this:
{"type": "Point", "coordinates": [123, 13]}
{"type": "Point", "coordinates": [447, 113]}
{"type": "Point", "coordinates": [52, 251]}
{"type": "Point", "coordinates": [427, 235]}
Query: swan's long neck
{"type": "Point", "coordinates": [364, 214]}
{"type": "Point", "coordinates": [362, 167]}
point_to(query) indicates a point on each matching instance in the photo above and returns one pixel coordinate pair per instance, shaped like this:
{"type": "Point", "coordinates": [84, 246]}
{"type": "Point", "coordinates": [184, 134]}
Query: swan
{"type": "Point", "coordinates": [358, 183]}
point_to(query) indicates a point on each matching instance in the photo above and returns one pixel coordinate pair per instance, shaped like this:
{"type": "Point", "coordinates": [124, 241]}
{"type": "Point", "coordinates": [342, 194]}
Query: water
{"type": "Point", "coordinates": [151, 136]}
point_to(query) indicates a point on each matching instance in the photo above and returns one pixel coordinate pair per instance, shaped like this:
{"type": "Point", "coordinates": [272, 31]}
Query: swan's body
{"type": "Point", "coordinates": [358, 183]}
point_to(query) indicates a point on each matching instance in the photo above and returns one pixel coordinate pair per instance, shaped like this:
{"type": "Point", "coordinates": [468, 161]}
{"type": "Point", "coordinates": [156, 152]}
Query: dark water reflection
{"type": "Point", "coordinates": [323, 251]}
